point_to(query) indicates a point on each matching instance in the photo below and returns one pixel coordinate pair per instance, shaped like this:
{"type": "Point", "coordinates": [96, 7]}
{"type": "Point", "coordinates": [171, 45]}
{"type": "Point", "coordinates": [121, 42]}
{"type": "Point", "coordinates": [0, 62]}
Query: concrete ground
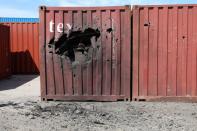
{"type": "Point", "coordinates": [20, 86]}
{"type": "Point", "coordinates": [22, 110]}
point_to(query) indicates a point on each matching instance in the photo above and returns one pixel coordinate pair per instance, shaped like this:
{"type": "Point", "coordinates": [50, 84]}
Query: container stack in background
{"type": "Point", "coordinates": [24, 44]}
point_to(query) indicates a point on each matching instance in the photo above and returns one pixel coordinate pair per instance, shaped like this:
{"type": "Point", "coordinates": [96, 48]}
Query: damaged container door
{"type": "Point", "coordinates": [85, 53]}
{"type": "Point", "coordinates": [164, 52]}
{"type": "Point", "coordinates": [5, 70]}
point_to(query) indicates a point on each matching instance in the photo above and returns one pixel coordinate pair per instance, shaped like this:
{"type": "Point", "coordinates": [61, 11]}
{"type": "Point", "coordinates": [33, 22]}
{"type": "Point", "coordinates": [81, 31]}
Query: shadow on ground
{"type": "Point", "coordinates": [15, 81]}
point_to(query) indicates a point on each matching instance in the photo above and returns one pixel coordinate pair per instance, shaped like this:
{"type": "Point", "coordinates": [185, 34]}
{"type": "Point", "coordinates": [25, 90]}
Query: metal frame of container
{"type": "Point", "coordinates": [107, 76]}
{"type": "Point", "coordinates": [24, 41]}
{"type": "Point", "coordinates": [164, 52]}
{"type": "Point", "coordinates": [5, 70]}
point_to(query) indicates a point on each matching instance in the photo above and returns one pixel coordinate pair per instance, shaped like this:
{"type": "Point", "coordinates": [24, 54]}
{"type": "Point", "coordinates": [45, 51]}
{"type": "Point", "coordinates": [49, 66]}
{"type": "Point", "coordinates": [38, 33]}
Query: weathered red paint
{"type": "Point", "coordinates": [164, 51]}
{"type": "Point", "coordinates": [5, 69]}
{"type": "Point", "coordinates": [24, 41]}
{"type": "Point", "coordinates": [107, 76]}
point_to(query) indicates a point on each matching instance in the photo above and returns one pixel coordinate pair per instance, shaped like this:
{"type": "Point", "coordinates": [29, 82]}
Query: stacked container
{"type": "Point", "coordinates": [24, 44]}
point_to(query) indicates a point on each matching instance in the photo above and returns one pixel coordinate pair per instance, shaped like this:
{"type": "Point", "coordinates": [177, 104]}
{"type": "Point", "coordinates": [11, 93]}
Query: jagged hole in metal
{"type": "Point", "coordinates": [67, 44]}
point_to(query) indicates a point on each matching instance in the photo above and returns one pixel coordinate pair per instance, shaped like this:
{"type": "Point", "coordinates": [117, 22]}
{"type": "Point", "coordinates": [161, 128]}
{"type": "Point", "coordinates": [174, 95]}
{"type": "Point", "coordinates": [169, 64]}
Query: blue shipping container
{"type": "Point", "coordinates": [12, 19]}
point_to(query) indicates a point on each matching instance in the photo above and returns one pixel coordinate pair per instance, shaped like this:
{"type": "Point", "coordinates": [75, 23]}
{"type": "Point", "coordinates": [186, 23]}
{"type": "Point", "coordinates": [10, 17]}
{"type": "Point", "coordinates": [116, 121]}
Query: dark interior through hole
{"type": "Point", "coordinates": [109, 30]}
{"type": "Point", "coordinates": [147, 24]}
{"type": "Point", "coordinates": [68, 44]}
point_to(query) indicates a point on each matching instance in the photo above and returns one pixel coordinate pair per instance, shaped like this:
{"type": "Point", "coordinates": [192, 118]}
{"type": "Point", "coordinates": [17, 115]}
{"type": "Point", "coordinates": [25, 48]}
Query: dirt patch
{"type": "Point", "coordinates": [21, 109]}
{"type": "Point", "coordinates": [36, 115]}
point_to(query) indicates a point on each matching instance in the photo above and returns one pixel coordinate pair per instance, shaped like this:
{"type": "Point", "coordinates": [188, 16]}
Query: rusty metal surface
{"type": "Point", "coordinates": [164, 51]}
{"type": "Point", "coordinates": [5, 69]}
{"type": "Point", "coordinates": [88, 59]}
{"type": "Point", "coordinates": [24, 40]}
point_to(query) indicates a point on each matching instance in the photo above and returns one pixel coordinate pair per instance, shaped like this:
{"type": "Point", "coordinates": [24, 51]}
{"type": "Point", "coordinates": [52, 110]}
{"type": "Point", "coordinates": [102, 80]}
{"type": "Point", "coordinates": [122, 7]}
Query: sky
{"type": "Point", "coordinates": [29, 8]}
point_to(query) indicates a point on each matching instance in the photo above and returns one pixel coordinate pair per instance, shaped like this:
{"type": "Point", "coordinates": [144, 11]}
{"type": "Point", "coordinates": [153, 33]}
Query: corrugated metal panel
{"type": "Point", "coordinates": [11, 19]}
{"type": "Point", "coordinates": [5, 70]}
{"type": "Point", "coordinates": [98, 70]}
{"type": "Point", "coordinates": [24, 40]}
{"type": "Point", "coordinates": [164, 51]}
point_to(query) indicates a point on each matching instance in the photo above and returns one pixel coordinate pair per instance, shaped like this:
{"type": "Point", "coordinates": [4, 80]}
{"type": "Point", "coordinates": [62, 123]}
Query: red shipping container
{"type": "Point", "coordinates": [5, 70]}
{"type": "Point", "coordinates": [24, 41]}
{"type": "Point", "coordinates": [164, 52]}
{"type": "Point", "coordinates": [90, 68]}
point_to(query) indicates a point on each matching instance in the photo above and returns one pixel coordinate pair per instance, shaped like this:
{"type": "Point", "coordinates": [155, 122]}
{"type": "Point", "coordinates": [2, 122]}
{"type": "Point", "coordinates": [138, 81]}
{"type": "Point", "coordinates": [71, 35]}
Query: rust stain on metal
{"type": "Point", "coordinates": [85, 53]}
